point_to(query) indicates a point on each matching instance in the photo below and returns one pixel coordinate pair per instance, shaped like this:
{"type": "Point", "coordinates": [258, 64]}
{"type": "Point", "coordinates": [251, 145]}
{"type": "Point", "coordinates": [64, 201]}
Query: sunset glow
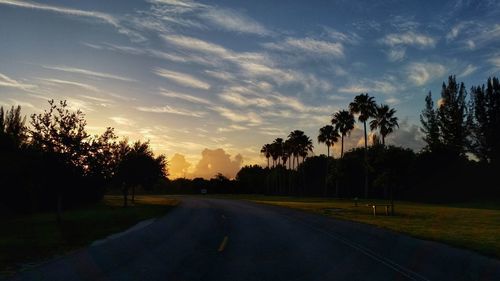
{"type": "Point", "coordinates": [208, 83]}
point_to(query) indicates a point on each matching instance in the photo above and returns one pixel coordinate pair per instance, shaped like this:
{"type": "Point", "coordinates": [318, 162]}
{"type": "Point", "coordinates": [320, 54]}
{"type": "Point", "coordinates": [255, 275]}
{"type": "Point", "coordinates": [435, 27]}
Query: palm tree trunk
{"type": "Point", "coordinates": [342, 147]}
{"type": "Point", "coordinates": [268, 162]}
{"type": "Point", "coordinates": [383, 140]}
{"type": "Point", "coordinates": [366, 162]}
{"type": "Point", "coordinates": [328, 150]}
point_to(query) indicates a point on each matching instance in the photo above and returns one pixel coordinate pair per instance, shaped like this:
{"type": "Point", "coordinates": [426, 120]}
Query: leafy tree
{"type": "Point", "coordinates": [138, 166]}
{"type": "Point", "coordinates": [61, 135]}
{"type": "Point", "coordinates": [365, 106]}
{"type": "Point", "coordinates": [328, 135]}
{"type": "Point", "coordinates": [430, 126]}
{"type": "Point", "coordinates": [452, 116]}
{"type": "Point", "coordinates": [58, 130]}
{"type": "Point", "coordinates": [343, 121]}
{"type": "Point", "coordinates": [13, 131]}
{"type": "Point", "coordinates": [384, 120]}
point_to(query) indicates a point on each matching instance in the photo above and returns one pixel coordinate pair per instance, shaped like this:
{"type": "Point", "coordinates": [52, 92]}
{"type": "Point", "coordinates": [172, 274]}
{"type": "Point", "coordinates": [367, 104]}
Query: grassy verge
{"type": "Point", "coordinates": [474, 226]}
{"type": "Point", "coordinates": [32, 238]}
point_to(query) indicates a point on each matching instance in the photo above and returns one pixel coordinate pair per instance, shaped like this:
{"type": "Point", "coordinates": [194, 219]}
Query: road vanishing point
{"type": "Point", "coordinates": [216, 239]}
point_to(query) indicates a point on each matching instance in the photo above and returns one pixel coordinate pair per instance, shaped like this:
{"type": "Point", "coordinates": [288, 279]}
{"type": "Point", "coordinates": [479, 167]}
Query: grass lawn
{"type": "Point", "coordinates": [32, 238]}
{"type": "Point", "coordinates": [463, 225]}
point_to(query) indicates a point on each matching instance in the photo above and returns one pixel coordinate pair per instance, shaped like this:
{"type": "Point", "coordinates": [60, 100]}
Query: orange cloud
{"type": "Point", "coordinates": [217, 161]}
{"type": "Point", "coordinates": [178, 166]}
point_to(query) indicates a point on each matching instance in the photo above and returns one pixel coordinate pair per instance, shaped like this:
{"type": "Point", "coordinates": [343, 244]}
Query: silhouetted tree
{"type": "Point", "coordinates": [61, 134]}
{"type": "Point", "coordinates": [343, 121]}
{"type": "Point", "coordinates": [486, 121]}
{"type": "Point", "coordinates": [430, 126]}
{"type": "Point", "coordinates": [266, 151]}
{"type": "Point", "coordinates": [329, 136]}
{"type": "Point", "coordinates": [452, 117]}
{"type": "Point", "coordinates": [365, 106]}
{"type": "Point", "coordinates": [138, 166]}
{"type": "Point", "coordinates": [384, 120]}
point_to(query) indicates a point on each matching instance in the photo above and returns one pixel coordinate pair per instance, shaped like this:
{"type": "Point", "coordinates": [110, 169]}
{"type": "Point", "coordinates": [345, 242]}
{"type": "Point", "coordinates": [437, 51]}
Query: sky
{"type": "Point", "coordinates": [209, 82]}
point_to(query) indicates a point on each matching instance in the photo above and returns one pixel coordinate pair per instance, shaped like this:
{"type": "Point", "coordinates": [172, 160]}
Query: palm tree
{"type": "Point", "coordinates": [328, 135]}
{"type": "Point", "coordinates": [305, 146]}
{"type": "Point", "coordinates": [277, 150]}
{"type": "Point", "coordinates": [343, 121]}
{"type": "Point", "coordinates": [365, 106]}
{"type": "Point", "coordinates": [385, 121]}
{"type": "Point", "coordinates": [300, 144]}
{"type": "Point", "coordinates": [266, 150]}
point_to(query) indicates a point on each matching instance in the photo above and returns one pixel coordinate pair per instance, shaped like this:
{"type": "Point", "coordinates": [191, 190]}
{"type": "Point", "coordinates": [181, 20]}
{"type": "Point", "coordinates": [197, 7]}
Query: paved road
{"type": "Point", "coordinates": [212, 239]}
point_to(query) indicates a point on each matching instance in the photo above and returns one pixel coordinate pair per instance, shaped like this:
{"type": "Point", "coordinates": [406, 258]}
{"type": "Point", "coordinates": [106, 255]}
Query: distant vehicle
{"type": "Point", "coordinates": [204, 191]}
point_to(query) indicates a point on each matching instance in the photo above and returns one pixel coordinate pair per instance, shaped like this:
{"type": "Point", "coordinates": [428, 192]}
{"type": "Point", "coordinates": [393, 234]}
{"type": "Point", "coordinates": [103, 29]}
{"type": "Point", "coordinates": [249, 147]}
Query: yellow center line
{"type": "Point", "coordinates": [223, 244]}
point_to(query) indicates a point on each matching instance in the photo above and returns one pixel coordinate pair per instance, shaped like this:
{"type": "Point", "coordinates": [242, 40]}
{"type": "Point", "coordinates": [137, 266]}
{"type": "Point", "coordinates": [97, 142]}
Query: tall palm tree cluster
{"type": "Point", "coordinates": [342, 123]}
{"type": "Point", "coordinates": [298, 145]}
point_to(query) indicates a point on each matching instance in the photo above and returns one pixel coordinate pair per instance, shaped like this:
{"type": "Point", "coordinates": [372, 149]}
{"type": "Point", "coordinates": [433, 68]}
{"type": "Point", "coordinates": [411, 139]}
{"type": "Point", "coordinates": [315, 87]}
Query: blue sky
{"type": "Point", "coordinates": [229, 76]}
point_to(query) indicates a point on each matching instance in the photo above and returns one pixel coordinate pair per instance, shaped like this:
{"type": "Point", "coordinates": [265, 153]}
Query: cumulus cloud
{"type": "Point", "coordinates": [407, 135]}
{"type": "Point", "coordinates": [215, 161]}
{"type": "Point", "coordinates": [178, 166]}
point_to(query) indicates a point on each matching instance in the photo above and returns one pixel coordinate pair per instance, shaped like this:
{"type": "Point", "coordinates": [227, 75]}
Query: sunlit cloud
{"type": "Point", "coordinates": [421, 73]}
{"type": "Point", "coordinates": [468, 70]}
{"type": "Point", "coordinates": [6, 81]}
{"type": "Point", "coordinates": [103, 17]}
{"type": "Point", "coordinates": [85, 86]}
{"type": "Point", "coordinates": [186, 97]}
{"type": "Point", "coordinates": [204, 16]}
{"type": "Point", "coordinates": [251, 118]}
{"type": "Point", "coordinates": [232, 128]}
{"type": "Point", "coordinates": [171, 110]}
{"type": "Point", "coordinates": [122, 121]}
{"type": "Point", "coordinates": [409, 38]}
{"type": "Point", "coordinates": [396, 54]}
{"type": "Point", "coordinates": [215, 161]}
{"type": "Point", "coordinates": [231, 20]}
{"type": "Point", "coordinates": [309, 46]}
{"type": "Point", "coordinates": [182, 78]}
{"type": "Point", "coordinates": [89, 73]}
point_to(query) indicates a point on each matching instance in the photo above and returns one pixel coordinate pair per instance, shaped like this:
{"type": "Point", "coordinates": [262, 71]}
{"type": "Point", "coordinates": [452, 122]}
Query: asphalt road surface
{"type": "Point", "coordinates": [213, 239]}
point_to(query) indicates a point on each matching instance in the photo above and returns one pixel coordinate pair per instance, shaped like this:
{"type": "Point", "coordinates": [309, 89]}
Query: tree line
{"type": "Point", "coordinates": [52, 163]}
{"type": "Point", "coordinates": [458, 162]}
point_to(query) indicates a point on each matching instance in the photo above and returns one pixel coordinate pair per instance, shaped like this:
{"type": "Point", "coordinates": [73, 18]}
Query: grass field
{"type": "Point", "coordinates": [474, 226]}
{"type": "Point", "coordinates": [32, 238]}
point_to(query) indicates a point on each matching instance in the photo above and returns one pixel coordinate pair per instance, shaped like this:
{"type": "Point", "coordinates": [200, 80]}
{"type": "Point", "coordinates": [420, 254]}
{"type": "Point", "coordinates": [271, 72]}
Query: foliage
{"type": "Point", "coordinates": [54, 164]}
{"type": "Point", "coordinates": [430, 126]}
{"type": "Point", "coordinates": [485, 108]}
